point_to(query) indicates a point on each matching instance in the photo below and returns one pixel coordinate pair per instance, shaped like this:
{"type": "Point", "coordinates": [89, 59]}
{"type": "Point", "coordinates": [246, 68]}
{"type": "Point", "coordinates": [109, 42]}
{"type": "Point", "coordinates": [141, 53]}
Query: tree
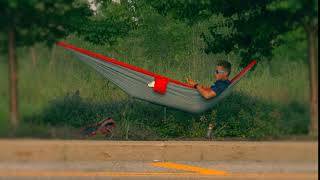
{"type": "Point", "coordinates": [28, 22]}
{"type": "Point", "coordinates": [256, 26]}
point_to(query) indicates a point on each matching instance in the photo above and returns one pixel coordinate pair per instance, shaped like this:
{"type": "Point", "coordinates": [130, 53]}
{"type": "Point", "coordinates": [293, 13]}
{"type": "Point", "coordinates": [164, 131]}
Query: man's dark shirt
{"type": "Point", "coordinates": [219, 86]}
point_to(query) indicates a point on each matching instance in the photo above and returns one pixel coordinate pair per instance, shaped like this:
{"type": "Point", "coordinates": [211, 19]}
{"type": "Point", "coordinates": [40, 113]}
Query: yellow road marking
{"type": "Point", "coordinates": [300, 176]}
{"type": "Point", "coordinates": [193, 172]}
{"type": "Point", "coordinates": [190, 168]}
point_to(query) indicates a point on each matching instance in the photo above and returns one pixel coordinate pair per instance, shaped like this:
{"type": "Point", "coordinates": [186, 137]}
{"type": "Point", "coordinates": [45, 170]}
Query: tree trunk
{"type": "Point", "coordinates": [313, 63]}
{"type": "Point", "coordinates": [13, 79]}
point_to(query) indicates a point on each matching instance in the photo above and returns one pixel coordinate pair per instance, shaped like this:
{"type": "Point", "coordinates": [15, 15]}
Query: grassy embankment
{"type": "Point", "coordinates": [271, 102]}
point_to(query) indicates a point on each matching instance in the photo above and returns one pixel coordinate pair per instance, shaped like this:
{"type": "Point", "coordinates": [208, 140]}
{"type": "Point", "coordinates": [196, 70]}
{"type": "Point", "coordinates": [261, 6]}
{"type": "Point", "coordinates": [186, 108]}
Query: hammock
{"type": "Point", "coordinates": [166, 91]}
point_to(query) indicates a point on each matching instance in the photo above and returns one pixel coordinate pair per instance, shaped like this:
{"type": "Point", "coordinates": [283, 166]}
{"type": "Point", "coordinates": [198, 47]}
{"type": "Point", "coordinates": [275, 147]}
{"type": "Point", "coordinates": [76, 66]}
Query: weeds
{"type": "Point", "coordinates": [63, 93]}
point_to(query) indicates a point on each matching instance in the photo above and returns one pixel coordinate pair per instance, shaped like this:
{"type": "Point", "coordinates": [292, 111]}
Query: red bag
{"type": "Point", "coordinates": [160, 85]}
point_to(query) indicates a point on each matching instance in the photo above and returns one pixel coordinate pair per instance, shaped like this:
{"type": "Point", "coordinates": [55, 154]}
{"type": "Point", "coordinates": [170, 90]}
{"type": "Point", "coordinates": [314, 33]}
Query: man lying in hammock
{"type": "Point", "coordinates": [222, 73]}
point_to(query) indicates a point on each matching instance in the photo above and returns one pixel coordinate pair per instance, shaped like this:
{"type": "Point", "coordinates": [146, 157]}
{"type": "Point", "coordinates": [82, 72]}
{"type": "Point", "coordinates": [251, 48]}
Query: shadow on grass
{"type": "Point", "coordinates": [238, 116]}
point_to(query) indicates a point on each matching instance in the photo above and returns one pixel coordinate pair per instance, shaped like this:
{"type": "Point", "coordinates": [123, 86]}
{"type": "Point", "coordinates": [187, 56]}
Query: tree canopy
{"type": "Point", "coordinates": [25, 23]}
{"type": "Point", "coordinates": [46, 21]}
{"type": "Point", "coordinates": [255, 25]}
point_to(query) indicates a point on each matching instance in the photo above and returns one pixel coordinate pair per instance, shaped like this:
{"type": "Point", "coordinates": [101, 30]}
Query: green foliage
{"type": "Point", "coordinates": [248, 117]}
{"type": "Point", "coordinates": [42, 21]}
{"type": "Point", "coordinates": [160, 35]}
{"type": "Point", "coordinates": [112, 21]}
{"type": "Point", "coordinates": [188, 11]}
{"type": "Point", "coordinates": [255, 25]}
{"type": "Point", "coordinates": [271, 102]}
{"type": "Point", "coordinates": [238, 116]}
{"type": "Point", "coordinates": [70, 110]}
{"type": "Point", "coordinates": [47, 21]}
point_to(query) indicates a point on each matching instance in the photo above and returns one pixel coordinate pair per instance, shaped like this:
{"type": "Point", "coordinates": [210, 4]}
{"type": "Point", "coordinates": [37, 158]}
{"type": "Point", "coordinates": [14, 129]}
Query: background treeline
{"type": "Point", "coordinates": [58, 94]}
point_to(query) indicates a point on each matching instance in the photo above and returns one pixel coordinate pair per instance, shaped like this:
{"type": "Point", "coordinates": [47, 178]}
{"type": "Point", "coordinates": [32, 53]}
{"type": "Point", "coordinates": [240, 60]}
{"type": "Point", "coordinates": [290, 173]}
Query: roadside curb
{"type": "Point", "coordinates": [81, 150]}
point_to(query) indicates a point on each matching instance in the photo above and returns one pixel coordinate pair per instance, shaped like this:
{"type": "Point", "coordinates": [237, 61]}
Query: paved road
{"type": "Point", "coordinates": [181, 170]}
{"type": "Point", "coordinates": [62, 160]}
{"type": "Point", "coordinates": [84, 150]}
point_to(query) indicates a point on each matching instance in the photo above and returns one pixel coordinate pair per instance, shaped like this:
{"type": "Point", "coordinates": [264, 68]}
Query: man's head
{"type": "Point", "coordinates": [223, 70]}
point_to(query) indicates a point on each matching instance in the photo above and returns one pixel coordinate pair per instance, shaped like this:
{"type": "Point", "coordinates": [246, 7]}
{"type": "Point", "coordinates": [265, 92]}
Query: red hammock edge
{"type": "Point", "coordinates": [62, 44]}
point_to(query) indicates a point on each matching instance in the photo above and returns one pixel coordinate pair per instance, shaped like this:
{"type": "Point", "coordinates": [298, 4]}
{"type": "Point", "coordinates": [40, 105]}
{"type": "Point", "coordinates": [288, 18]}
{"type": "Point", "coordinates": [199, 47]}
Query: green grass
{"type": "Point", "coordinates": [271, 102]}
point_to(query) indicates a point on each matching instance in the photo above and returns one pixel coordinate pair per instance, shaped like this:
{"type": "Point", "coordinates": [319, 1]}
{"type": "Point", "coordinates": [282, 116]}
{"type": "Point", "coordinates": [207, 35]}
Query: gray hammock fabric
{"type": "Point", "coordinates": [136, 83]}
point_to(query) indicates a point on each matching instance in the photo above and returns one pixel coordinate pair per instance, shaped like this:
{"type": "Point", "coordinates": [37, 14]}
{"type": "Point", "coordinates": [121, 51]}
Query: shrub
{"type": "Point", "coordinates": [238, 116]}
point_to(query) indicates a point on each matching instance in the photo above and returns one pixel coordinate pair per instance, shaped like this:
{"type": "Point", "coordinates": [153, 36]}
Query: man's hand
{"type": "Point", "coordinates": [205, 93]}
{"type": "Point", "coordinates": [191, 81]}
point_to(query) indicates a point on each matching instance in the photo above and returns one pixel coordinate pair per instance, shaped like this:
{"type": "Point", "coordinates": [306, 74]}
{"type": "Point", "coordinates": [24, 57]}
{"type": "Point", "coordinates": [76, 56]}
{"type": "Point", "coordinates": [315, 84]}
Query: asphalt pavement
{"type": "Point", "coordinates": [159, 170]}
{"type": "Point", "coordinates": [29, 159]}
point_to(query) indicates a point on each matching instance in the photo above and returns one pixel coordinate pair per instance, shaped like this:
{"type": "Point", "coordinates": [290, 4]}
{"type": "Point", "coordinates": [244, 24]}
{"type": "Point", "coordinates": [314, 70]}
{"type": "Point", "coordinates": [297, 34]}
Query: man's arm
{"type": "Point", "coordinates": [206, 93]}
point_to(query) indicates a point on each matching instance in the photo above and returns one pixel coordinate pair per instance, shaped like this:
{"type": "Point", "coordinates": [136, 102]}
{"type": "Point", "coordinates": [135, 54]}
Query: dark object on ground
{"type": "Point", "coordinates": [209, 132]}
{"type": "Point", "coordinates": [104, 127]}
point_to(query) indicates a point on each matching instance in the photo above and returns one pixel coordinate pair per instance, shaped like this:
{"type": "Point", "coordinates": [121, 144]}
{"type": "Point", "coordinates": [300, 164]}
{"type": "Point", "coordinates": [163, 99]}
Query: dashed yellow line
{"type": "Point", "coordinates": [190, 168]}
